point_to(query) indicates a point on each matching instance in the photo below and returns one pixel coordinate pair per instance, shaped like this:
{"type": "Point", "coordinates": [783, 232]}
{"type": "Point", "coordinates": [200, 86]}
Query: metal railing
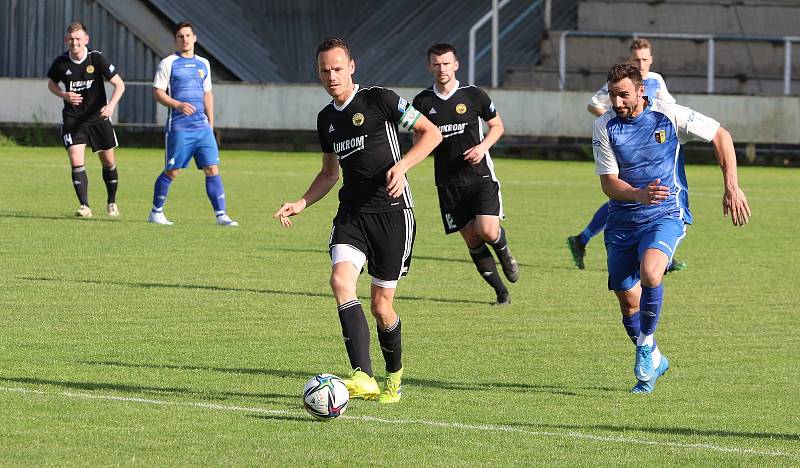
{"type": "Point", "coordinates": [496, 37]}
{"type": "Point", "coordinates": [472, 33]}
{"type": "Point", "coordinates": [708, 38]}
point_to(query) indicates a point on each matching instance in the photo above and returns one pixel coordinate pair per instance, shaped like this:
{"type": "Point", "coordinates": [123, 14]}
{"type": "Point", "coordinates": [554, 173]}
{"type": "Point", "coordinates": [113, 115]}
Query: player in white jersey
{"type": "Point", "coordinates": [638, 156]}
{"type": "Point", "coordinates": [655, 88]}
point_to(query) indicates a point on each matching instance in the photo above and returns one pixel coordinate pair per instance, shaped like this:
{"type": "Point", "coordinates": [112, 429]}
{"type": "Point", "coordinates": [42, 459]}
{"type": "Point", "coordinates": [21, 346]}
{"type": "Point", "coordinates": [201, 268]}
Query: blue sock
{"type": "Point", "coordinates": [632, 326]}
{"type": "Point", "coordinates": [216, 193]}
{"type": "Point", "coordinates": [160, 192]}
{"type": "Point", "coordinates": [596, 225]}
{"type": "Point", "coordinates": [650, 308]}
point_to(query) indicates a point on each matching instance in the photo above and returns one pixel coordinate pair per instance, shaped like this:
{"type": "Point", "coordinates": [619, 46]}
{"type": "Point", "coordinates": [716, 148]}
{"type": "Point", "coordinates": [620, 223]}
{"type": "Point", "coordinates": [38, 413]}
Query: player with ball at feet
{"type": "Point", "coordinates": [375, 223]}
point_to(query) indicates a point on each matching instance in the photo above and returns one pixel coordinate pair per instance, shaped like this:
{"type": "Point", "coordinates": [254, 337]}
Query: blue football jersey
{"type": "Point", "coordinates": [186, 80]}
{"type": "Point", "coordinates": [645, 148]}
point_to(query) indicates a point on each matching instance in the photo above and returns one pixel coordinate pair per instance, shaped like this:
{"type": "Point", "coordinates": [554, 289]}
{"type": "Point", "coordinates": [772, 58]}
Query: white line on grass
{"type": "Point", "coordinates": [422, 422]}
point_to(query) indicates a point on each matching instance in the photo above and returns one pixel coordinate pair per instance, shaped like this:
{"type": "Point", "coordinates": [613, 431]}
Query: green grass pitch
{"type": "Point", "coordinates": [127, 343]}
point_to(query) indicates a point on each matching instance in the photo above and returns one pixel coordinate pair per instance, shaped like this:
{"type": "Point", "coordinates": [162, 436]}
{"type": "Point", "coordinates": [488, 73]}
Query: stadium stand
{"type": "Point", "coordinates": [741, 67]}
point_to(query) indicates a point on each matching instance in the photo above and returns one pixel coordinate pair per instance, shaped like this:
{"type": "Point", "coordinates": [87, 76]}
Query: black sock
{"type": "Point", "coordinates": [487, 268]}
{"type": "Point", "coordinates": [500, 245]}
{"type": "Point", "coordinates": [81, 183]}
{"type": "Point", "coordinates": [391, 346]}
{"type": "Point", "coordinates": [110, 178]}
{"type": "Point", "coordinates": [355, 331]}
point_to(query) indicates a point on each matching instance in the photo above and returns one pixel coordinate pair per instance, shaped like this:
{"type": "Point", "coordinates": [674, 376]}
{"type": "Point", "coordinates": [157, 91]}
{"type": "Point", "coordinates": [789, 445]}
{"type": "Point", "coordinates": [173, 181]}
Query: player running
{"type": "Point", "coordinates": [375, 222]}
{"type": "Point", "coordinates": [87, 113]}
{"type": "Point", "coordinates": [183, 84]}
{"type": "Point", "coordinates": [469, 192]}
{"type": "Point", "coordinates": [638, 156]}
{"type": "Point", "coordinates": [655, 88]}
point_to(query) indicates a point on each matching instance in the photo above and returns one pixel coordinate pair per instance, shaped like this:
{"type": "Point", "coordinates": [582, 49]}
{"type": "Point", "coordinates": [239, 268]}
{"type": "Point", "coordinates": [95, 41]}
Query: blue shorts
{"type": "Point", "coordinates": [626, 247]}
{"type": "Point", "coordinates": [182, 146]}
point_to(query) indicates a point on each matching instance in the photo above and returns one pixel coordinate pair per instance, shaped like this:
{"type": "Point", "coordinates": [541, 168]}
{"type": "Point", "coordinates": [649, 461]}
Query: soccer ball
{"type": "Point", "coordinates": [325, 396]}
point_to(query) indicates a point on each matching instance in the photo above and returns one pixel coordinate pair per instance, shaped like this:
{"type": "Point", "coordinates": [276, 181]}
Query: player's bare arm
{"type": "Point", "coordinates": [734, 200]}
{"type": "Point", "coordinates": [73, 98]}
{"type": "Point", "coordinates": [119, 89]}
{"type": "Point", "coordinates": [163, 98]}
{"type": "Point", "coordinates": [320, 186]}
{"type": "Point", "coordinates": [618, 189]}
{"type": "Point", "coordinates": [208, 102]}
{"type": "Point", "coordinates": [427, 138]}
{"type": "Point", "coordinates": [475, 154]}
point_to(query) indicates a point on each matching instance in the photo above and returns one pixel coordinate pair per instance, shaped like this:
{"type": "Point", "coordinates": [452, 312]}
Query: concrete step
{"type": "Point", "coordinates": [531, 77]}
{"type": "Point", "coordinates": [775, 18]}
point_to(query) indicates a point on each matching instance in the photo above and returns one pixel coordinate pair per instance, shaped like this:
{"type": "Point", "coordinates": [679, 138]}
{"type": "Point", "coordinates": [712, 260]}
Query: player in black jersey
{"type": "Point", "coordinates": [375, 222]}
{"type": "Point", "coordinates": [86, 113]}
{"type": "Point", "coordinates": [469, 193]}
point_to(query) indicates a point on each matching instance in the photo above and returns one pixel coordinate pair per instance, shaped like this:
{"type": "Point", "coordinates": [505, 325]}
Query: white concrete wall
{"type": "Point", "coordinates": [524, 112]}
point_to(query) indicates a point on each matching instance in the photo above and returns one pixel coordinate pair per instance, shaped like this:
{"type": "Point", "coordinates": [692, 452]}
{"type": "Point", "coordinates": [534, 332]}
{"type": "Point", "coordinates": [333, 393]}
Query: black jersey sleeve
{"type": "Point", "coordinates": [488, 112]}
{"type": "Point", "coordinates": [108, 70]}
{"type": "Point", "coordinates": [54, 73]}
{"type": "Point", "coordinates": [418, 103]}
{"type": "Point", "coordinates": [397, 109]}
{"type": "Point", "coordinates": [324, 144]}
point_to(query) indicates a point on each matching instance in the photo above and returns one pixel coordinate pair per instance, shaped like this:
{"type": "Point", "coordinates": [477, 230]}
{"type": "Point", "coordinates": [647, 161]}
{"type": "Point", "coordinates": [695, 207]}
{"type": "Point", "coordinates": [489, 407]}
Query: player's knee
{"type": "Point", "coordinates": [211, 170]}
{"type": "Point", "coordinates": [488, 233]}
{"type": "Point", "coordinates": [381, 308]}
{"type": "Point", "coordinates": [651, 275]}
{"type": "Point", "coordinates": [341, 284]}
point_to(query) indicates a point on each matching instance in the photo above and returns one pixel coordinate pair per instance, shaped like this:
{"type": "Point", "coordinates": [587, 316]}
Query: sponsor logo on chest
{"type": "Point", "coordinates": [347, 147]}
{"type": "Point", "coordinates": [76, 86]}
{"type": "Point", "coordinates": [449, 130]}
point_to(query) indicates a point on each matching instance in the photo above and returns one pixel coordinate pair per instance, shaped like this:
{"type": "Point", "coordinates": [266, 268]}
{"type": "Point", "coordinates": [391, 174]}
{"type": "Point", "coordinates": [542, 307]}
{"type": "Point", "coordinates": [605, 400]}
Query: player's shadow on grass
{"type": "Point", "coordinates": [683, 431]}
{"type": "Point", "coordinates": [276, 398]}
{"type": "Point", "coordinates": [413, 257]}
{"type": "Point", "coordinates": [427, 383]}
{"type": "Point", "coordinates": [24, 215]}
{"type": "Point", "coordinates": [146, 285]}
{"type": "Point", "coordinates": [300, 375]}
{"type": "Point", "coordinates": [507, 386]}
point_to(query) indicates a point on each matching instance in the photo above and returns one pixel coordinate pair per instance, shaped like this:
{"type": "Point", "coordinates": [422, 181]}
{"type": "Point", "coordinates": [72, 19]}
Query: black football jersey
{"type": "Point", "coordinates": [85, 78]}
{"type": "Point", "coordinates": [458, 117]}
{"type": "Point", "coordinates": [363, 134]}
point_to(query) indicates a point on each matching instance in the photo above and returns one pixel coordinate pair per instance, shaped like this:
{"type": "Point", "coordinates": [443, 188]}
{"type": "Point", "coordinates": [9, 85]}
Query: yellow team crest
{"type": "Point", "coordinates": [90, 69]}
{"type": "Point", "coordinates": [461, 108]}
{"type": "Point", "coordinates": [202, 73]}
{"type": "Point", "coordinates": [661, 136]}
{"type": "Point", "coordinates": [358, 119]}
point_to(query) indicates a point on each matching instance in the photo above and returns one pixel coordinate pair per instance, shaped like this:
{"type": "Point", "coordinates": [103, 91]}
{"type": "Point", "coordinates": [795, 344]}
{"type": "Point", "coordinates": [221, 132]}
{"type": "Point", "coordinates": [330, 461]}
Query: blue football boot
{"type": "Point", "coordinates": [643, 368]}
{"type": "Point", "coordinates": [649, 386]}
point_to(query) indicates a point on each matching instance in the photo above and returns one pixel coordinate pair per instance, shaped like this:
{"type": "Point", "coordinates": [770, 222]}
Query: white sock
{"type": "Point", "coordinates": [645, 340]}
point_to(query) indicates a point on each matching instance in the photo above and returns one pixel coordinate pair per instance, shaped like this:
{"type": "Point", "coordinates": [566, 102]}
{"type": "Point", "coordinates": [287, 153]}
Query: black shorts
{"type": "Point", "coordinates": [461, 204]}
{"type": "Point", "coordinates": [385, 239]}
{"type": "Point", "coordinates": [99, 135]}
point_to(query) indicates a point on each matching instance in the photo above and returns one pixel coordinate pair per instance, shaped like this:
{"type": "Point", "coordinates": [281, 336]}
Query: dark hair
{"type": "Point", "coordinates": [441, 49]}
{"type": "Point", "coordinates": [621, 71]}
{"type": "Point", "coordinates": [76, 26]}
{"type": "Point", "coordinates": [181, 25]}
{"type": "Point", "coordinates": [640, 43]}
{"type": "Point", "coordinates": [330, 44]}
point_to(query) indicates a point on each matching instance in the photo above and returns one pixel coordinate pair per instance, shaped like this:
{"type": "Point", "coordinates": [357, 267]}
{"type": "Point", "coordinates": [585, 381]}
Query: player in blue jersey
{"type": "Point", "coordinates": [655, 88]}
{"type": "Point", "coordinates": [639, 158]}
{"type": "Point", "coordinates": [183, 84]}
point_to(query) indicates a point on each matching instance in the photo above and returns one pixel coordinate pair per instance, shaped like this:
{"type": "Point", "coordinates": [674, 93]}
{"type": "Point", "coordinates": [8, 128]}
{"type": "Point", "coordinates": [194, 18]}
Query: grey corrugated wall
{"type": "Point", "coordinates": [32, 32]}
